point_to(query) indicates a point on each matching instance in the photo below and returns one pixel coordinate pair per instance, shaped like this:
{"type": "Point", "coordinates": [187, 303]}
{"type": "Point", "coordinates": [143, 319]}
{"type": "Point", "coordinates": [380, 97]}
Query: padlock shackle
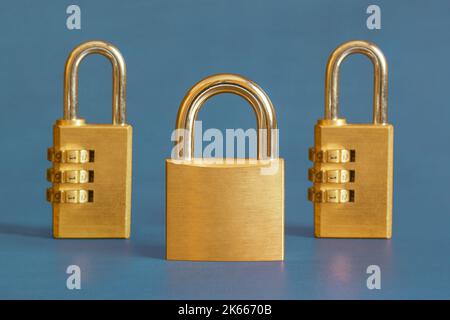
{"type": "Point", "coordinates": [380, 80]}
{"type": "Point", "coordinates": [195, 98]}
{"type": "Point", "coordinates": [119, 79]}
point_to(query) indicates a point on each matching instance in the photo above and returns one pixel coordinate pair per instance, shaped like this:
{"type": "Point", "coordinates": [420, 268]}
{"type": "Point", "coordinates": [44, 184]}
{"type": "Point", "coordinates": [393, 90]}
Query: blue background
{"type": "Point", "coordinates": [169, 46]}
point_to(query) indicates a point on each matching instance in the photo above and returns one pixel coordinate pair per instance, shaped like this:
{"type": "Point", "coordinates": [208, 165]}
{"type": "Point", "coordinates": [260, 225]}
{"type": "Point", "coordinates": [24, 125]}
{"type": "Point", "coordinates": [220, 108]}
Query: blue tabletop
{"type": "Point", "coordinates": [169, 46]}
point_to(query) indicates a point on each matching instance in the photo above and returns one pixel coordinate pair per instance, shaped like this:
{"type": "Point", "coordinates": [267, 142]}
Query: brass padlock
{"type": "Point", "coordinates": [353, 163]}
{"type": "Point", "coordinates": [229, 210]}
{"type": "Point", "coordinates": [91, 172]}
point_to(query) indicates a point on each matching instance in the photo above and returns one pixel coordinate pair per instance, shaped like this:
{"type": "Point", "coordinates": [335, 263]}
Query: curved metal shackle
{"type": "Point", "coordinates": [228, 83]}
{"type": "Point", "coordinates": [380, 80]}
{"type": "Point", "coordinates": [119, 79]}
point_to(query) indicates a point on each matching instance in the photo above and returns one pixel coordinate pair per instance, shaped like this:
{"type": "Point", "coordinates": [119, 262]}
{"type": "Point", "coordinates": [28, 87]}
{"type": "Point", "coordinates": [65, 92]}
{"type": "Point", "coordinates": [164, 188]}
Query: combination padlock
{"type": "Point", "coordinates": [230, 210]}
{"type": "Point", "coordinates": [91, 172]}
{"type": "Point", "coordinates": [353, 163]}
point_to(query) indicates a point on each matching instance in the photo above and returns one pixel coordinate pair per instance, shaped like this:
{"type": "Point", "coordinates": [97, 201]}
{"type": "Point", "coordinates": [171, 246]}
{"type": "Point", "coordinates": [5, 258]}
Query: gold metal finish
{"type": "Point", "coordinates": [332, 156]}
{"type": "Point", "coordinates": [331, 195]}
{"type": "Point", "coordinates": [331, 176]}
{"type": "Point", "coordinates": [359, 205]}
{"type": "Point", "coordinates": [91, 173]}
{"type": "Point", "coordinates": [70, 176]}
{"type": "Point", "coordinates": [72, 196]}
{"type": "Point", "coordinates": [119, 79]}
{"type": "Point", "coordinates": [224, 212]}
{"type": "Point", "coordinates": [227, 211]}
{"type": "Point", "coordinates": [227, 83]}
{"type": "Point", "coordinates": [380, 80]}
{"type": "Point", "coordinates": [70, 156]}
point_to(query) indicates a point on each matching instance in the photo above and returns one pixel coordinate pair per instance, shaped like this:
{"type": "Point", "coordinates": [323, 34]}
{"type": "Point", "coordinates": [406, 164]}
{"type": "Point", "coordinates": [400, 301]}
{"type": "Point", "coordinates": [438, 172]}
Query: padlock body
{"type": "Point", "coordinates": [232, 211]}
{"type": "Point", "coordinates": [368, 211]}
{"type": "Point", "coordinates": [107, 214]}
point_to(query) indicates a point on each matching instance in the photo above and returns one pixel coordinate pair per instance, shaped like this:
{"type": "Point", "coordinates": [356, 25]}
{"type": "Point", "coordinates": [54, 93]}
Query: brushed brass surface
{"type": "Point", "coordinates": [230, 210]}
{"type": "Point", "coordinates": [224, 212]}
{"type": "Point", "coordinates": [370, 214]}
{"type": "Point", "coordinates": [91, 172]}
{"type": "Point", "coordinates": [109, 215]}
{"type": "Point", "coordinates": [360, 205]}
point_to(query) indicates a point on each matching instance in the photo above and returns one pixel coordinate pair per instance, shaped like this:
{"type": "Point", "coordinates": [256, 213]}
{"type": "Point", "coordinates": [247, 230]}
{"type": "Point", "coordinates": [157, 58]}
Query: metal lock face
{"type": "Point", "coordinates": [353, 163]}
{"type": "Point", "coordinates": [232, 210]}
{"type": "Point", "coordinates": [91, 172]}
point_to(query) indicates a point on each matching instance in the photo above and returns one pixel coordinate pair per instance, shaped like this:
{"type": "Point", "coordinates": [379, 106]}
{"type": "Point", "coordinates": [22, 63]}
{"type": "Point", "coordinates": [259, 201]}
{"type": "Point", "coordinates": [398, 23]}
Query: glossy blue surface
{"type": "Point", "coordinates": [170, 45]}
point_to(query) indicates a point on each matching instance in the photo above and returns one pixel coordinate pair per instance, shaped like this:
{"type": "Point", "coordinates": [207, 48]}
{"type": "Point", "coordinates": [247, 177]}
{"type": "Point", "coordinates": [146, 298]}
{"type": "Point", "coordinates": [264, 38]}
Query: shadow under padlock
{"type": "Point", "coordinates": [225, 209]}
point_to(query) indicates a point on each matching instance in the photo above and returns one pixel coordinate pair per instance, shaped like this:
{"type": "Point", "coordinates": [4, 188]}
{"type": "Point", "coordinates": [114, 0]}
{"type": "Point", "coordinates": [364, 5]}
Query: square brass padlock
{"type": "Point", "coordinates": [91, 172]}
{"type": "Point", "coordinates": [353, 163]}
{"type": "Point", "coordinates": [230, 210]}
